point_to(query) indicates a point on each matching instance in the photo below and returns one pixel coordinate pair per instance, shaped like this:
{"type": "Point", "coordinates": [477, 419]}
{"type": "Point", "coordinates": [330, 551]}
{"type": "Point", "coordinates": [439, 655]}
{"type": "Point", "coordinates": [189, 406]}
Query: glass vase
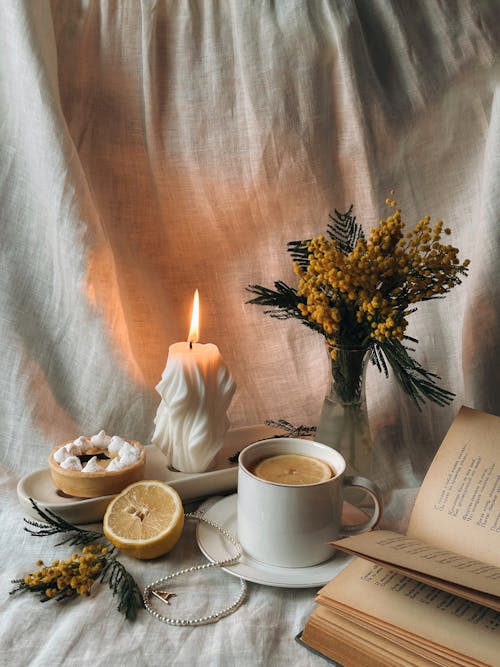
{"type": "Point", "coordinates": [344, 422]}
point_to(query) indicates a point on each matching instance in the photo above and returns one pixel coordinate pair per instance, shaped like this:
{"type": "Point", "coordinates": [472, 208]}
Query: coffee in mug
{"type": "Point", "coordinates": [289, 524]}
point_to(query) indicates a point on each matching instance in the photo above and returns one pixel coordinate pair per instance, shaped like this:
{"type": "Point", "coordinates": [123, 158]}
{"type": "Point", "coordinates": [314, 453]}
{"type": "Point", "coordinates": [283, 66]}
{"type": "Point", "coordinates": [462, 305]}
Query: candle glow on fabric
{"type": "Point", "coordinates": [196, 389]}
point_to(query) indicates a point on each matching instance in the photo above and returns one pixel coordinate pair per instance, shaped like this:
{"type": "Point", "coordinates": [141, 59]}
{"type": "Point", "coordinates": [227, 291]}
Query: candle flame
{"type": "Point", "coordinates": [194, 330]}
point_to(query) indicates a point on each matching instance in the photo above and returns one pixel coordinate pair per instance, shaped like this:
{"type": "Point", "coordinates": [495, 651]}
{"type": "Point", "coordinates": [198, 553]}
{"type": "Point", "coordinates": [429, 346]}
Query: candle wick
{"type": "Point", "coordinates": [190, 344]}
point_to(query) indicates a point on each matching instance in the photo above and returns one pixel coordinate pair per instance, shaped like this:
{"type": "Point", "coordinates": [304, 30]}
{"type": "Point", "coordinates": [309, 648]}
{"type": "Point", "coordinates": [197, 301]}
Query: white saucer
{"type": "Point", "coordinates": [215, 547]}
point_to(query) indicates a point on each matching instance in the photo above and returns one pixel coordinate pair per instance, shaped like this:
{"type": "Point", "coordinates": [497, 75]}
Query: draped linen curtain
{"type": "Point", "coordinates": [149, 148]}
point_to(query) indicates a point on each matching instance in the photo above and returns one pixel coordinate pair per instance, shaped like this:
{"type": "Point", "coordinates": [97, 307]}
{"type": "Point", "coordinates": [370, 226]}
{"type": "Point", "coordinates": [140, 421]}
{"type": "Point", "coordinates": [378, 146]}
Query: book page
{"type": "Point", "coordinates": [385, 642]}
{"type": "Point", "coordinates": [332, 627]}
{"type": "Point", "coordinates": [441, 568]}
{"type": "Point", "coordinates": [417, 610]}
{"type": "Point", "coordinates": [458, 505]}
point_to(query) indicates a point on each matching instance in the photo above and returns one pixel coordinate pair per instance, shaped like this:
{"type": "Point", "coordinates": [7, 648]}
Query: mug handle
{"type": "Point", "coordinates": [374, 492]}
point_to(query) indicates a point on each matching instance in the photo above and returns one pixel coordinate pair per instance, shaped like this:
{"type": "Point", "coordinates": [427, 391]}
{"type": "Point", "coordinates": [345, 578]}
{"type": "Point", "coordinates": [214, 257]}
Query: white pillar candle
{"type": "Point", "coordinates": [196, 390]}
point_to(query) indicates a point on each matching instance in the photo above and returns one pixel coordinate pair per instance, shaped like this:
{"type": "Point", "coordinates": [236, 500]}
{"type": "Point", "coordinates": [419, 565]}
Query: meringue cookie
{"type": "Point", "coordinates": [73, 449]}
{"type": "Point", "coordinates": [83, 443]}
{"type": "Point", "coordinates": [115, 464]}
{"type": "Point", "coordinates": [71, 463]}
{"type": "Point", "coordinates": [128, 451]}
{"type": "Point", "coordinates": [92, 465]}
{"type": "Point", "coordinates": [101, 439]}
{"type": "Point", "coordinates": [115, 444]}
{"type": "Point", "coordinates": [61, 454]}
{"type": "Point", "coordinates": [127, 460]}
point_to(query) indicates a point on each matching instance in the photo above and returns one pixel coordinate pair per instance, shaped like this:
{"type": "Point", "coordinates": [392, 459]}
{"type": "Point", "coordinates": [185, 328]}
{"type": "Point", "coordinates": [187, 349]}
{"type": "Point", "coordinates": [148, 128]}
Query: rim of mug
{"type": "Point", "coordinates": [326, 448]}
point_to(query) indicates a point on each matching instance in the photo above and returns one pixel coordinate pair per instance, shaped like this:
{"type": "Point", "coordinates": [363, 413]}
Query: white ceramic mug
{"type": "Point", "coordinates": [290, 525]}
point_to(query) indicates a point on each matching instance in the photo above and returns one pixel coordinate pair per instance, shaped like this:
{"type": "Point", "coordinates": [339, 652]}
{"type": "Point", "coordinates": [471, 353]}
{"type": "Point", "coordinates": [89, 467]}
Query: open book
{"type": "Point", "coordinates": [431, 596]}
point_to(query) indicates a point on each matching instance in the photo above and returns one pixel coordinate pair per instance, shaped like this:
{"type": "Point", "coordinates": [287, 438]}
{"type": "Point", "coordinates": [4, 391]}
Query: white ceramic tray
{"type": "Point", "coordinates": [190, 486]}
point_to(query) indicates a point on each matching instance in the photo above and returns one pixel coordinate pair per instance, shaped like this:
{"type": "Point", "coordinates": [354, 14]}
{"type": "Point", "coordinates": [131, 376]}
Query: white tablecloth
{"type": "Point", "coordinates": [90, 631]}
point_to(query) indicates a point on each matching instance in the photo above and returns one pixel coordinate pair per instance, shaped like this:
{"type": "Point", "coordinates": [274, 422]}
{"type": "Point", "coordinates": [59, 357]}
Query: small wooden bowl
{"type": "Point", "coordinates": [100, 483]}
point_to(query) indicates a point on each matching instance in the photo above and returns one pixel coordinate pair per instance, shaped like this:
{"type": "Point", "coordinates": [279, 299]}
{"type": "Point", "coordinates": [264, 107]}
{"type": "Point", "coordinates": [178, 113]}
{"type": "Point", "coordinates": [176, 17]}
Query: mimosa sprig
{"type": "Point", "coordinates": [359, 292]}
{"type": "Point", "coordinates": [67, 579]}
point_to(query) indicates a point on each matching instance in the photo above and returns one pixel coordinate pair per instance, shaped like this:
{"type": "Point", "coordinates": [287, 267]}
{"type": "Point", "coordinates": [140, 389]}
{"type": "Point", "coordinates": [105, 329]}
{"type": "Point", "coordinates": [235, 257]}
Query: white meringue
{"type": "Point", "coordinates": [83, 443]}
{"type": "Point", "coordinates": [128, 460]}
{"type": "Point", "coordinates": [92, 465]}
{"type": "Point", "coordinates": [73, 449]}
{"type": "Point", "coordinates": [129, 451]}
{"type": "Point", "coordinates": [101, 439]}
{"type": "Point", "coordinates": [61, 454]}
{"type": "Point", "coordinates": [116, 444]}
{"type": "Point", "coordinates": [115, 464]}
{"type": "Point", "coordinates": [72, 463]}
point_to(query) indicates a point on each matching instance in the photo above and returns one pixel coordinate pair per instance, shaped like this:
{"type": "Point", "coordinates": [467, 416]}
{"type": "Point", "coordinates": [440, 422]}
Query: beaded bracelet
{"type": "Point", "coordinates": [153, 590]}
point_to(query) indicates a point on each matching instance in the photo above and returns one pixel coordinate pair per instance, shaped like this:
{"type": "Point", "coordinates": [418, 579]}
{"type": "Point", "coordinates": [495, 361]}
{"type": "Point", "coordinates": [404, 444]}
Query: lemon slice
{"type": "Point", "coordinates": [145, 520]}
{"type": "Point", "coordinates": [293, 469]}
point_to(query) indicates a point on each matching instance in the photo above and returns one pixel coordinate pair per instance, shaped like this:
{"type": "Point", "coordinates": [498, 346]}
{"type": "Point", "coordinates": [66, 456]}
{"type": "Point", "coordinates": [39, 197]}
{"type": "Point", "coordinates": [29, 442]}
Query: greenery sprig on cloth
{"type": "Point", "coordinates": [291, 431]}
{"type": "Point", "coordinates": [359, 292]}
{"type": "Point", "coordinates": [64, 580]}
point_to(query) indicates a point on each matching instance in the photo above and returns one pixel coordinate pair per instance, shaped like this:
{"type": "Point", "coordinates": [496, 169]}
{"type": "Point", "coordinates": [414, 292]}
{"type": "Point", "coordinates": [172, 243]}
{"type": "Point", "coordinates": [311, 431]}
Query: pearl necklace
{"type": "Point", "coordinates": [153, 589]}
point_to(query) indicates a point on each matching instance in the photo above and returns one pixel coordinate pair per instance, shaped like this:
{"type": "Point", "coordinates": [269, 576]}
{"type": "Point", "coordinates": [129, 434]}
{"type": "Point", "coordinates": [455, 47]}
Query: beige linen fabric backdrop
{"type": "Point", "coordinates": [149, 148]}
{"type": "Point", "coordinates": [152, 148]}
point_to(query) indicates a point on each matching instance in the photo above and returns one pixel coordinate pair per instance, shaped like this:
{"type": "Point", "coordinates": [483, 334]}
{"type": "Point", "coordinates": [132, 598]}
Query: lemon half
{"type": "Point", "coordinates": [293, 469]}
{"type": "Point", "coordinates": [145, 520]}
